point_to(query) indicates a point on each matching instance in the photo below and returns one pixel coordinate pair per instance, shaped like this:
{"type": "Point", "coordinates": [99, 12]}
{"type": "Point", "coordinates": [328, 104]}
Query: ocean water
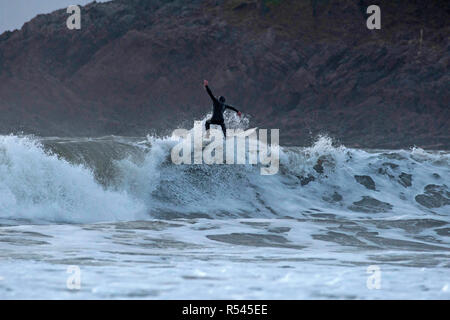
{"type": "Point", "coordinates": [136, 226]}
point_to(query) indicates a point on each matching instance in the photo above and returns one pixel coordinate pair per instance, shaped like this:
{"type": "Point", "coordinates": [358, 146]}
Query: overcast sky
{"type": "Point", "coordinates": [14, 13]}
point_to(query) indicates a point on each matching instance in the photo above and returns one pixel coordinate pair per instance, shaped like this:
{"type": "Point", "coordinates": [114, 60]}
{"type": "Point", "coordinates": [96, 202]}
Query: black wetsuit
{"type": "Point", "coordinates": [218, 110]}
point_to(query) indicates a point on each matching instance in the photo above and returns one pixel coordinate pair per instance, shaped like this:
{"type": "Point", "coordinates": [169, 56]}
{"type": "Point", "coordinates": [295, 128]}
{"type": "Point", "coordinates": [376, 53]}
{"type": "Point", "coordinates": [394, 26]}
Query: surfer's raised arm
{"type": "Point", "coordinates": [205, 83]}
{"type": "Point", "coordinates": [234, 109]}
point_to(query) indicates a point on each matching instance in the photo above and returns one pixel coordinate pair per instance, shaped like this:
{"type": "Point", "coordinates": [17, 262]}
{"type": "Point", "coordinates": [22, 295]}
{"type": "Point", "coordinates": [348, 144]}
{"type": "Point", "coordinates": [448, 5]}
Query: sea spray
{"type": "Point", "coordinates": [38, 185]}
{"type": "Point", "coordinates": [40, 181]}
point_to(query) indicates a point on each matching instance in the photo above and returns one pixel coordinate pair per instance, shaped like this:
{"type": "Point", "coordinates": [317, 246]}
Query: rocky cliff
{"type": "Point", "coordinates": [304, 66]}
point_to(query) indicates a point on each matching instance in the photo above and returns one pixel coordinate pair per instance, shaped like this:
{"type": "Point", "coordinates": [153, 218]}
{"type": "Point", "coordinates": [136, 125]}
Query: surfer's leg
{"type": "Point", "coordinates": [224, 129]}
{"type": "Point", "coordinates": [207, 126]}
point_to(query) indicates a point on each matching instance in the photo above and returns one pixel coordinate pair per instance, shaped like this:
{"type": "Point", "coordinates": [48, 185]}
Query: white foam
{"type": "Point", "coordinates": [39, 186]}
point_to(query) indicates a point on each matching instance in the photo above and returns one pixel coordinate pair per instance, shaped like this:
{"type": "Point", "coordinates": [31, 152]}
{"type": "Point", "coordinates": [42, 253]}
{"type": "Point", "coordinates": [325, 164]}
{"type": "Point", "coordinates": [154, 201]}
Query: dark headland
{"type": "Point", "coordinates": [306, 67]}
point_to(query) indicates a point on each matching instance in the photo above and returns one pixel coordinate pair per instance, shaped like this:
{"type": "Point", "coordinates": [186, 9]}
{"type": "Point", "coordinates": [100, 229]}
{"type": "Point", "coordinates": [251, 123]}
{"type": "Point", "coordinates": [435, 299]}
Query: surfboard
{"type": "Point", "coordinates": [248, 132]}
{"type": "Point", "coordinates": [243, 133]}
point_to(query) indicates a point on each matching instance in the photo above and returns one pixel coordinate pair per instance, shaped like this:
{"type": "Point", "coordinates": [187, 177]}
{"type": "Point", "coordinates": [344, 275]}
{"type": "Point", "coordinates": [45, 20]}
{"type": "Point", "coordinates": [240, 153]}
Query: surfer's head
{"type": "Point", "coordinates": [222, 99]}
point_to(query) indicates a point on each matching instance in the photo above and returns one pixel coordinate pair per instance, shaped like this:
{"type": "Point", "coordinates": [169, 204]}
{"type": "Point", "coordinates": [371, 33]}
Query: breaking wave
{"type": "Point", "coordinates": [117, 178]}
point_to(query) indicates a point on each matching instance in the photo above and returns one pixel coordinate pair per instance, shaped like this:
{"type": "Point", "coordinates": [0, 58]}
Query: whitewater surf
{"type": "Point", "coordinates": [224, 230]}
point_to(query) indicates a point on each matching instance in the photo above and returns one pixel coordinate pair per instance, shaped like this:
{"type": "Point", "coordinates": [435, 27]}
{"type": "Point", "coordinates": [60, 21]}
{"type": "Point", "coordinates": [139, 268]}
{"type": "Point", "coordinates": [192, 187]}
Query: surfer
{"type": "Point", "coordinates": [219, 107]}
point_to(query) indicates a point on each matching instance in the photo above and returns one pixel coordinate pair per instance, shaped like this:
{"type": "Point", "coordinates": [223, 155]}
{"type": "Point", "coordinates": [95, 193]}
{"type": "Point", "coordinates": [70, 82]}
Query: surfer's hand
{"type": "Point", "coordinates": [205, 83]}
{"type": "Point", "coordinates": [239, 114]}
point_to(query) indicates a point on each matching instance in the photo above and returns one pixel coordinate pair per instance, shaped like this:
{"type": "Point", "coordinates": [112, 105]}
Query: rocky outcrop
{"type": "Point", "coordinates": [370, 205]}
{"type": "Point", "coordinates": [366, 181]}
{"type": "Point", "coordinates": [405, 179]}
{"type": "Point", "coordinates": [434, 196]}
{"type": "Point", "coordinates": [306, 67]}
